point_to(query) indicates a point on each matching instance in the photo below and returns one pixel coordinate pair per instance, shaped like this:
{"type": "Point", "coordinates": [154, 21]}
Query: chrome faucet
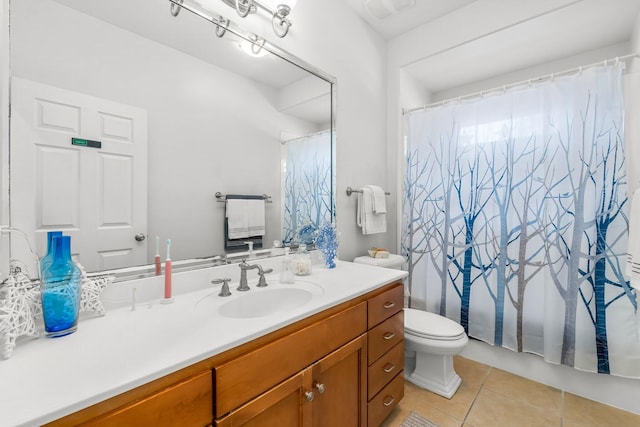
{"type": "Point", "coordinates": [244, 266]}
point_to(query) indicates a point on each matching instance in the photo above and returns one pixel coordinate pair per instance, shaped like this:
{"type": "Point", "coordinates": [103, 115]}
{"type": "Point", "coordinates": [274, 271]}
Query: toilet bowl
{"type": "Point", "coordinates": [431, 341]}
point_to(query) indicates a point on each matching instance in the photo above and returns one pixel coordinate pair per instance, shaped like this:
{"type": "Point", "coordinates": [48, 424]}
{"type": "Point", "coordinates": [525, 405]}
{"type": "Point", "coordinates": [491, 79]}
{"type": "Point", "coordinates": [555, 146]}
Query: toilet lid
{"type": "Point", "coordinates": [429, 325]}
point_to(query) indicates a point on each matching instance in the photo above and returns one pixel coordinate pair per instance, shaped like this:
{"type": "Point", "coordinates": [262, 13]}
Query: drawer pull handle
{"type": "Point", "coordinates": [389, 304]}
{"type": "Point", "coordinates": [319, 387]}
{"type": "Point", "coordinates": [309, 395]}
{"type": "Point", "coordinates": [388, 400]}
{"type": "Point", "coordinates": [389, 367]}
{"type": "Point", "coordinates": [388, 335]}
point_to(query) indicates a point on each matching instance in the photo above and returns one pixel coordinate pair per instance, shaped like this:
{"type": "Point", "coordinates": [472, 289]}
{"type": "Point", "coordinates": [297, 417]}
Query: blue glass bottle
{"type": "Point", "coordinates": [46, 260]}
{"type": "Point", "coordinates": [60, 290]}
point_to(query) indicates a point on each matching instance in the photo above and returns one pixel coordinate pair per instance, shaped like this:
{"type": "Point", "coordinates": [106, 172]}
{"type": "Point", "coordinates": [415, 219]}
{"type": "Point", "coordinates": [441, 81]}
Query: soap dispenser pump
{"type": "Point", "coordinates": [286, 272]}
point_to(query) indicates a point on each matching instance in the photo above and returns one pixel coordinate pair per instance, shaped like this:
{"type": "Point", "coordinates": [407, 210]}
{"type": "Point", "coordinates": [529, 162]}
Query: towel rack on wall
{"type": "Point", "coordinates": [222, 198]}
{"type": "Point", "coordinates": [353, 190]}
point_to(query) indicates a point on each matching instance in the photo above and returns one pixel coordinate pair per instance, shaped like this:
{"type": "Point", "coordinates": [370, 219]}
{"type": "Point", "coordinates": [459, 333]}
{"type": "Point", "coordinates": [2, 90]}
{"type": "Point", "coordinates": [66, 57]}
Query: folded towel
{"type": "Point", "coordinates": [256, 217]}
{"type": "Point", "coordinates": [633, 252]}
{"type": "Point", "coordinates": [379, 199]}
{"type": "Point", "coordinates": [237, 218]}
{"type": "Point", "coordinates": [370, 222]}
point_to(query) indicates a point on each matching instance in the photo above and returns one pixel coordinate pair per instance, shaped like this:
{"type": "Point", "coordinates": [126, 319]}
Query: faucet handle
{"type": "Point", "coordinates": [224, 291]}
{"type": "Point", "coordinates": [262, 282]}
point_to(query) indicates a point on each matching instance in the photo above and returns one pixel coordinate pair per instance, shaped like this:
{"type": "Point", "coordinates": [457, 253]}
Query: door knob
{"type": "Point", "coordinates": [319, 386]}
{"type": "Point", "coordinates": [309, 395]}
{"type": "Point", "coordinates": [140, 237]}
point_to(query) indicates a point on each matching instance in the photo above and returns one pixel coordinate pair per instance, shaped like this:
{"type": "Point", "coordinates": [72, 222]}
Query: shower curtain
{"type": "Point", "coordinates": [308, 183]}
{"type": "Point", "coordinates": [515, 220]}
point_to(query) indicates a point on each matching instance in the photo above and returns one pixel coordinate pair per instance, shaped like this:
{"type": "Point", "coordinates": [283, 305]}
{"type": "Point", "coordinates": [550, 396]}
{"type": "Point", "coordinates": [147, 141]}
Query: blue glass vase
{"type": "Point", "coordinates": [46, 260]}
{"type": "Point", "coordinates": [60, 290]}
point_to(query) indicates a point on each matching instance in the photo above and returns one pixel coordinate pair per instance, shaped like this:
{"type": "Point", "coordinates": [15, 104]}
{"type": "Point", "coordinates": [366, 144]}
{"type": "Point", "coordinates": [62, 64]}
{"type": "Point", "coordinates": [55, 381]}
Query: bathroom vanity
{"type": "Point", "coordinates": [337, 359]}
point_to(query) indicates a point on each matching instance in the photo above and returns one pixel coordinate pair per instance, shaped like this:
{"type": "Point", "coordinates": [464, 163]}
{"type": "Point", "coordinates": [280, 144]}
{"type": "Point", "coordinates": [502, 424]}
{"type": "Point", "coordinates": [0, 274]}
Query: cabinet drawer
{"type": "Point", "coordinates": [248, 376]}
{"type": "Point", "coordinates": [386, 304]}
{"type": "Point", "coordinates": [189, 402]}
{"type": "Point", "coordinates": [385, 335]}
{"type": "Point", "coordinates": [384, 402]}
{"type": "Point", "coordinates": [384, 369]}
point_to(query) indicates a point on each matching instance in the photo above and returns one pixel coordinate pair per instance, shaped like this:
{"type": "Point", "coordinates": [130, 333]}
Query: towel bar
{"type": "Point", "coordinates": [222, 198]}
{"type": "Point", "coordinates": [353, 190]}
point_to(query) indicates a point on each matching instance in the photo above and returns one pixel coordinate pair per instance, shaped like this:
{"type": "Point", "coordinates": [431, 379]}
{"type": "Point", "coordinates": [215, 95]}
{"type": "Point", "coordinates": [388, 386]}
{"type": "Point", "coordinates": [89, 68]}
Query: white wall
{"type": "Point", "coordinates": [448, 33]}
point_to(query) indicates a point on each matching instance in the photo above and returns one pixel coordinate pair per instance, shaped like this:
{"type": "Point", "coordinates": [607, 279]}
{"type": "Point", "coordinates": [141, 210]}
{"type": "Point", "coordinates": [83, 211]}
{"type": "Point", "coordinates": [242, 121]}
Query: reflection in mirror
{"type": "Point", "coordinates": [308, 183]}
{"type": "Point", "coordinates": [164, 114]}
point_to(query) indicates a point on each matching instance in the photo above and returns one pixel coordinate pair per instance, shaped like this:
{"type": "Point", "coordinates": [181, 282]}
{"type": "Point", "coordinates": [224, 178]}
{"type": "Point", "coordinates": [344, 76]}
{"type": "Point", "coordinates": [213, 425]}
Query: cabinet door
{"type": "Point", "coordinates": [287, 404]}
{"type": "Point", "coordinates": [339, 386]}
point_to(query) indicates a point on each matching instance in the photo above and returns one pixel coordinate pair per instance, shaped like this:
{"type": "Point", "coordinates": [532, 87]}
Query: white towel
{"type": "Point", "coordinates": [256, 217]}
{"type": "Point", "coordinates": [633, 251]}
{"type": "Point", "coordinates": [237, 218]}
{"type": "Point", "coordinates": [379, 199]}
{"type": "Point", "coordinates": [370, 222]}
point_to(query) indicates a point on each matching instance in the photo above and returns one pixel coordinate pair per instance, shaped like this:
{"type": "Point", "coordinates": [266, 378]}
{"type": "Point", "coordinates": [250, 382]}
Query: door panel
{"type": "Point", "coordinates": [98, 196]}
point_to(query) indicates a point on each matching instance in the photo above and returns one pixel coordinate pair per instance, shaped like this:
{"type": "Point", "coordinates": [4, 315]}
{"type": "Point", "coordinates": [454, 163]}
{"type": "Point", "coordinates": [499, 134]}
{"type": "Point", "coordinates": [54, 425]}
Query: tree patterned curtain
{"type": "Point", "coordinates": [307, 187]}
{"type": "Point", "coordinates": [515, 220]}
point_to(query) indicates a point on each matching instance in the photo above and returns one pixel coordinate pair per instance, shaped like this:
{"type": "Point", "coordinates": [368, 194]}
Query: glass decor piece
{"type": "Point", "coordinates": [46, 260]}
{"type": "Point", "coordinates": [60, 290]}
{"type": "Point", "coordinates": [327, 244]}
{"type": "Point", "coordinates": [302, 261]}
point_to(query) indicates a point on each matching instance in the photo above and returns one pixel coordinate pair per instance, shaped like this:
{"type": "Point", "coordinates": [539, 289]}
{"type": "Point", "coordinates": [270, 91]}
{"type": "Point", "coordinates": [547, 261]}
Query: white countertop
{"type": "Point", "coordinates": [46, 379]}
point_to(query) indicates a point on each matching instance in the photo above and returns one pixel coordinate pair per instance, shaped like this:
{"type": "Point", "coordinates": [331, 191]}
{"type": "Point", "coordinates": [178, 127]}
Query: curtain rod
{"type": "Point", "coordinates": [298, 138]}
{"type": "Point", "coordinates": [523, 82]}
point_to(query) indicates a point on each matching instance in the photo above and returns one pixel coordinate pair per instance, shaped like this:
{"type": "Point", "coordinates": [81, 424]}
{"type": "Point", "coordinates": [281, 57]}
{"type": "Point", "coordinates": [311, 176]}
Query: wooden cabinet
{"type": "Point", "coordinates": [385, 354]}
{"type": "Point", "coordinates": [340, 367]}
{"type": "Point", "coordinates": [328, 393]}
{"type": "Point", "coordinates": [247, 376]}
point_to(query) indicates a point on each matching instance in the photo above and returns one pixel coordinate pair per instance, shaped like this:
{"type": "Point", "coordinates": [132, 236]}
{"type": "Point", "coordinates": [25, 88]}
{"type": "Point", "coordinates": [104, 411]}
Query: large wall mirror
{"type": "Point", "coordinates": [127, 120]}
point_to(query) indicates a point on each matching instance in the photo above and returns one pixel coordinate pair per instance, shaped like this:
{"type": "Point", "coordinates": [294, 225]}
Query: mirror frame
{"type": "Point", "coordinates": [142, 271]}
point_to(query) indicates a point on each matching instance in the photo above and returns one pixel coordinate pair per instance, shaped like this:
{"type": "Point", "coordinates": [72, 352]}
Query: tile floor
{"type": "Point", "coordinates": [490, 397]}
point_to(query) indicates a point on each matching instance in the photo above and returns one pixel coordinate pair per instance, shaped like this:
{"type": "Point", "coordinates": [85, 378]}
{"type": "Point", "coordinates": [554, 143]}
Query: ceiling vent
{"type": "Point", "coordinates": [382, 9]}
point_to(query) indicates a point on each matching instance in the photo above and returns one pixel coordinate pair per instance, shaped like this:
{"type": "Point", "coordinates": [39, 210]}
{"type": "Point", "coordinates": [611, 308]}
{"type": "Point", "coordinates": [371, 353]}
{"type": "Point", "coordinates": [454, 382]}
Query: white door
{"type": "Point", "coordinates": [98, 196]}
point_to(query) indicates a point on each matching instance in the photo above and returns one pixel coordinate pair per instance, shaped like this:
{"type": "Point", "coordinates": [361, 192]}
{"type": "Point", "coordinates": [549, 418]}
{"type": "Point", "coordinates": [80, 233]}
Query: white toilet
{"type": "Point", "coordinates": [430, 342]}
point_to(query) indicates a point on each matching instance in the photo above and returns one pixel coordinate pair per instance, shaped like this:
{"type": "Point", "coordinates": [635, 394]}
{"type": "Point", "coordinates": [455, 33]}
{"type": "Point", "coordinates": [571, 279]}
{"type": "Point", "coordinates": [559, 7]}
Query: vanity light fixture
{"type": "Point", "coordinates": [278, 9]}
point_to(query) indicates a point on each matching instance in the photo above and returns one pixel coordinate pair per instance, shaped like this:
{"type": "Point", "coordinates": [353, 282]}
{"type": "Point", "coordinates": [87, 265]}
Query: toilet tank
{"type": "Point", "coordinates": [396, 262]}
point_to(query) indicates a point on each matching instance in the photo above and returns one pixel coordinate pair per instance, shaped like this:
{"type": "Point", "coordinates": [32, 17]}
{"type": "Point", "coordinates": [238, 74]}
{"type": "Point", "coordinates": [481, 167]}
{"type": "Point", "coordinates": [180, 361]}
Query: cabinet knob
{"type": "Point", "coordinates": [388, 400]}
{"type": "Point", "coordinates": [388, 335]}
{"type": "Point", "coordinates": [389, 304]}
{"type": "Point", "coordinates": [389, 367]}
{"type": "Point", "coordinates": [319, 387]}
{"type": "Point", "coordinates": [309, 395]}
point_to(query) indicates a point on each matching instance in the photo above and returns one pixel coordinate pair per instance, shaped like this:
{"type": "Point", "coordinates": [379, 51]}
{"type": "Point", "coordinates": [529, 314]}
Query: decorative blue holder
{"type": "Point", "coordinates": [327, 244]}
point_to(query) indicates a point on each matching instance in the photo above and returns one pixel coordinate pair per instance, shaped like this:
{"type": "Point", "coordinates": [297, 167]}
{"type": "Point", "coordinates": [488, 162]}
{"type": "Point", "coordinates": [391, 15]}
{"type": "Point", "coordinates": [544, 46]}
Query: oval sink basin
{"type": "Point", "coordinates": [265, 302]}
